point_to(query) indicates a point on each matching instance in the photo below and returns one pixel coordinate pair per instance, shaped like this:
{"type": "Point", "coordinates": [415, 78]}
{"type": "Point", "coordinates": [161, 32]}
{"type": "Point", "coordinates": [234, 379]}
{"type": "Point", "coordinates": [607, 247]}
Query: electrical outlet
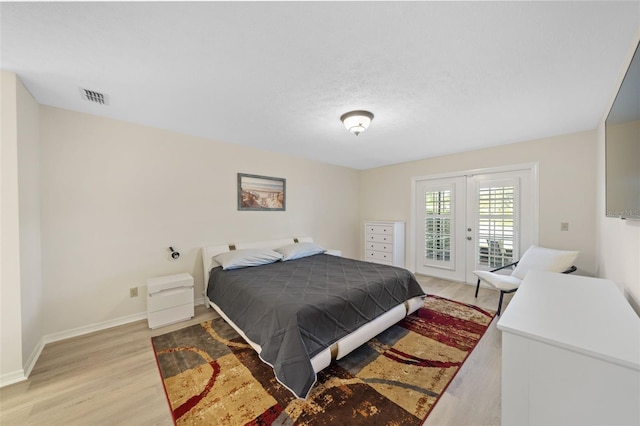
{"type": "Point", "coordinates": [133, 292]}
{"type": "Point", "coordinates": [564, 226]}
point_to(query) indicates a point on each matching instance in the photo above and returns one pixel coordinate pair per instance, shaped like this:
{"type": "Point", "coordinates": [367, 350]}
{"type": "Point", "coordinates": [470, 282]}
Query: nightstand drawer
{"type": "Point", "coordinates": [170, 315]}
{"type": "Point", "coordinates": [169, 298]}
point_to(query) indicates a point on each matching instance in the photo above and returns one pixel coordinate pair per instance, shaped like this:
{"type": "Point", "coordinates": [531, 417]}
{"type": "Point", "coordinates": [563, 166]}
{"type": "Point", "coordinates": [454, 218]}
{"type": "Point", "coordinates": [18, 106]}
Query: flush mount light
{"type": "Point", "coordinates": [356, 121]}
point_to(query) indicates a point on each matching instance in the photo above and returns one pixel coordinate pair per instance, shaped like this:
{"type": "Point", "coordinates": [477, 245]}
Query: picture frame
{"type": "Point", "coordinates": [261, 193]}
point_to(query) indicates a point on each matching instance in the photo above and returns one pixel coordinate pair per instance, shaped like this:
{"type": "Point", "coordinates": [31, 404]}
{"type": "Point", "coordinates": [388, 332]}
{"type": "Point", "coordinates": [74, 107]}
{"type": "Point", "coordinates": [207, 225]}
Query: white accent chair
{"type": "Point", "coordinates": [535, 258]}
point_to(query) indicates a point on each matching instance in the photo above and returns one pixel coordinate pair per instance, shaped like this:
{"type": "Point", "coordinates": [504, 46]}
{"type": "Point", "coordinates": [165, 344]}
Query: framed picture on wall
{"type": "Point", "coordinates": [261, 193]}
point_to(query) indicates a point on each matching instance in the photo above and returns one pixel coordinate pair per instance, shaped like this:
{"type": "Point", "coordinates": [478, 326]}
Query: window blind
{"type": "Point", "coordinates": [437, 227]}
{"type": "Point", "coordinates": [496, 221]}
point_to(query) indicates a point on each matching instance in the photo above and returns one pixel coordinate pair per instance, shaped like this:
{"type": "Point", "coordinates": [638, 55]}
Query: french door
{"type": "Point", "coordinates": [473, 221]}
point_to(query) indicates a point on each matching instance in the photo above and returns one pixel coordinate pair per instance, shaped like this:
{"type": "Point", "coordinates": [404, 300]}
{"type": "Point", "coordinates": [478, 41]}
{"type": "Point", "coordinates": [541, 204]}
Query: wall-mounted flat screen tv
{"type": "Point", "coordinates": [622, 147]}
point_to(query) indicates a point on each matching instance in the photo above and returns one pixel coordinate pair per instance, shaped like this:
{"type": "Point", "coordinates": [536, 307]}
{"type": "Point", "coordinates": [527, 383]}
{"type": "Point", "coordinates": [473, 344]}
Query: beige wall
{"type": "Point", "coordinates": [116, 195]}
{"type": "Point", "coordinates": [21, 279]}
{"type": "Point", "coordinates": [11, 321]}
{"type": "Point", "coordinates": [31, 297]}
{"type": "Point", "coordinates": [567, 181]}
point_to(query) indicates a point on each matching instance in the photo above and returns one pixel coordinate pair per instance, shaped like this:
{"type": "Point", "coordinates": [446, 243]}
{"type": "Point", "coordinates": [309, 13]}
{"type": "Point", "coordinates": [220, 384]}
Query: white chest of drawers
{"type": "Point", "coordinates": [384, 242]}
{"type": "Point", "coordinates": [570, 353]}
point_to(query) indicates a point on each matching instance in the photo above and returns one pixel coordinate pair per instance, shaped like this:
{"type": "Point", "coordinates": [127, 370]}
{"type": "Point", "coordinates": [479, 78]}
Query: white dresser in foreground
{"type": "Point", "coordinates": [384, 242]}
{"type": "Point", "coordinates": [570, 353]}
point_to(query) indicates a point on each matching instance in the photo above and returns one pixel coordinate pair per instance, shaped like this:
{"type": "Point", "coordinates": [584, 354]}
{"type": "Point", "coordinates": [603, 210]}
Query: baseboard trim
{"type": "Point", "coordinates": [11, 378]}
{"type": "Point", "coordinates": [21, 375]}
{"type": "Point", "coordinates": [55, 337]}
{"type": "Point", "coordinates": [80, 331]}
{"type": "Point", "coordinates": [33, 358]}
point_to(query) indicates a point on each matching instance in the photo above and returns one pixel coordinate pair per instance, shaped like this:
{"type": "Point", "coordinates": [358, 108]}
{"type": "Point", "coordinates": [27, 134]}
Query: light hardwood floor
{"type": "Point", "coordinates": [111, 378]}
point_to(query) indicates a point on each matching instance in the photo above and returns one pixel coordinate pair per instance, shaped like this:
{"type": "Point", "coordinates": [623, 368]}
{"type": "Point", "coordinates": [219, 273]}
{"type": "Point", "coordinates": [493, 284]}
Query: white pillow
{"type": "Point", "coordinates": [544, 259]}
{"type": "Point", "coordinates": [243, 258]}
{"type": "Point", "coordinates": [299, 250]}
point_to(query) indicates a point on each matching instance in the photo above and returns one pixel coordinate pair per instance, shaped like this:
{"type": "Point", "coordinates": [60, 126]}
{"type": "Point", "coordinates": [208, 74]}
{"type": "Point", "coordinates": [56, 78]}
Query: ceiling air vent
{"type": "Point", "coordinates": [93, 96]}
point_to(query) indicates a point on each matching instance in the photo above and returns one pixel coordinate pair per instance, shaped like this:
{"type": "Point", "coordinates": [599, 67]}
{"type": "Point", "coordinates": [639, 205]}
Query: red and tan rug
{"type": "Point", "coordinates": [212, 377]}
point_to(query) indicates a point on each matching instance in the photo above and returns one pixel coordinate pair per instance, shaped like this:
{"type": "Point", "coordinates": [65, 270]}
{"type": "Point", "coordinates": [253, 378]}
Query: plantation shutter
{"type": "Point", "coordinates": [438, 225]}
{"type": "Point", "coordinates": [496, 225]}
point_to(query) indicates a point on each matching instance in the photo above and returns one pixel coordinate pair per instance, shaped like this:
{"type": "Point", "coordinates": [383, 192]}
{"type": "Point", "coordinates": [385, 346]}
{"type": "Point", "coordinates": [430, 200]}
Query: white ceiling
{"type": "Point", "coordinates": [440, 77]}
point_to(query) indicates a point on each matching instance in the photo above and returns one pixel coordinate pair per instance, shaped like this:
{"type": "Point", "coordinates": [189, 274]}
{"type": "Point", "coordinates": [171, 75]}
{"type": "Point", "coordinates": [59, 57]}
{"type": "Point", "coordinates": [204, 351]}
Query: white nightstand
{"type": "Point", "coordinates": [169, 299]}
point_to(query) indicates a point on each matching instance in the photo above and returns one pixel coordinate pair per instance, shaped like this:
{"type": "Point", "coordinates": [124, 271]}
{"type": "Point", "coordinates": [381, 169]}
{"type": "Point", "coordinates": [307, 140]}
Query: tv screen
{"type": "Point", "coordinates": [622, 147]}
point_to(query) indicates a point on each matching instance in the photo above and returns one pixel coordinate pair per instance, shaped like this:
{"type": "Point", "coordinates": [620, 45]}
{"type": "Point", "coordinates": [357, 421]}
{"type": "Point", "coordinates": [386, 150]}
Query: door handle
{"type": "Point", "coordinates": [469, 238]}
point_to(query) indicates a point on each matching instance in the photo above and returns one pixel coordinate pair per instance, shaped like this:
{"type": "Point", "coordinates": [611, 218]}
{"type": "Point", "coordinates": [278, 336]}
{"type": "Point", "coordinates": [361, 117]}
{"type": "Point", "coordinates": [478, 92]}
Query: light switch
{"type": "Point", "coordinates": [564, 226]}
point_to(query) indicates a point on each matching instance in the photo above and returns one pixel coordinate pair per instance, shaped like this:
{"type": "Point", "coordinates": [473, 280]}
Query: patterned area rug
{"type": "Point", "coordinates": [212, 377]}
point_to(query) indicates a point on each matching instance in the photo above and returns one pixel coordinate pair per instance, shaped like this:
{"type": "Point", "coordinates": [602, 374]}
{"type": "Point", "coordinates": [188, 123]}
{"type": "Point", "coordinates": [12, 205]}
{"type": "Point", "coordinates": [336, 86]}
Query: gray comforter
{"type": "Point", "coordinates": [298, 308]}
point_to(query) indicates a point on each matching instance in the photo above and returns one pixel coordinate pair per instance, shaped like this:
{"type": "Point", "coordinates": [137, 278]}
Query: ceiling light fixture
{"type": "Point", "coordinates": [356, 121]}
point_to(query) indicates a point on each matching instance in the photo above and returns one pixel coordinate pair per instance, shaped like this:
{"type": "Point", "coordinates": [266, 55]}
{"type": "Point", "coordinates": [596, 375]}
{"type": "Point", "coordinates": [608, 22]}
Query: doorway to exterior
{"type": "Point", "coordinates": [479, 219]}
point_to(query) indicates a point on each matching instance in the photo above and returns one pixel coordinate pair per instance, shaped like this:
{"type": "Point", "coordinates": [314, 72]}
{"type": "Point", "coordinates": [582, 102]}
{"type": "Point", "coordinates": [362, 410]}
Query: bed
{"type": "Point", "coordinates": [301, 314]}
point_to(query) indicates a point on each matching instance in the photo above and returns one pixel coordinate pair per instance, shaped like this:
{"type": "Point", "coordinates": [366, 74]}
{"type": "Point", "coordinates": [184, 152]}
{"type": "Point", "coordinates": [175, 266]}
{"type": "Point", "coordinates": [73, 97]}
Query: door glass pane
{"type": "Point", "coordinates": [437, 226]}
{"type": "Point", "coordinates": [496, 215]}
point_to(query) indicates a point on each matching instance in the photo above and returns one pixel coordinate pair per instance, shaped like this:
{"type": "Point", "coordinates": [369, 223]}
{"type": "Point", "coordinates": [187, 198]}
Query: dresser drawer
{"type": "Point", "coordinates": [379, 256]}
{"type": "Point", "coordinates": [379, 247]}
{"type": "Point", "coordinates": [377, 238]}
{"type": "Point", "coordinates": [379, 229]}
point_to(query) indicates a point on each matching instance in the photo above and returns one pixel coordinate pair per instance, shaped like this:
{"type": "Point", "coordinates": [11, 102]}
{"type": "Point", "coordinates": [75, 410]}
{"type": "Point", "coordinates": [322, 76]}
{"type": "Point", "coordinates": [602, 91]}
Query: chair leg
{"type": "Point", "coordinates": [477, 287]}
{"type": "Point", "coordinates": [500, 303]}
